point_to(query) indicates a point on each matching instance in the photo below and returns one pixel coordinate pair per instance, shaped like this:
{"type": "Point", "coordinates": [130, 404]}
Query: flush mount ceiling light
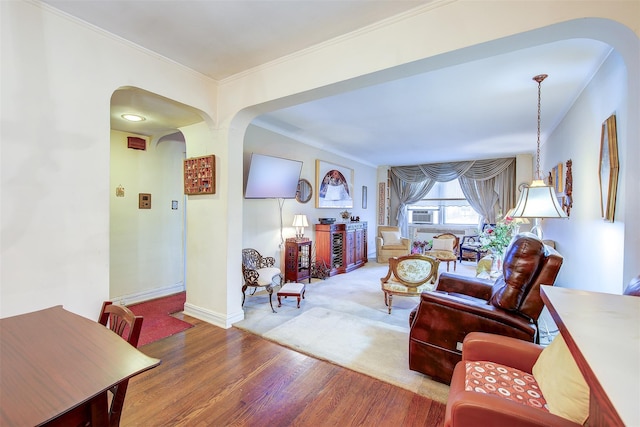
{"type": "Point", "coordinates": [538, 200]}
{"type": "Point", "coordinates": [133, 117]}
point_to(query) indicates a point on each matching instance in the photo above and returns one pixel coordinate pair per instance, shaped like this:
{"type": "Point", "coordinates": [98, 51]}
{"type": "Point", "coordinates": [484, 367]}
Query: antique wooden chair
{"type": "Point", "coordinates": [259, 272]}
{"type": "Point", "coordinates": [445, 249]}
{"type": "Point", "coordinates": [409, 276]}
{"type": "Point", "coordinates": [125, 323]}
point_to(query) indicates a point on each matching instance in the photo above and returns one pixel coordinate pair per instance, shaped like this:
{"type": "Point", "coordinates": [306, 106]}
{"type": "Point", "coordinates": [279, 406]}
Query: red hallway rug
{"type": "Point", "coordinates": [158, 322]}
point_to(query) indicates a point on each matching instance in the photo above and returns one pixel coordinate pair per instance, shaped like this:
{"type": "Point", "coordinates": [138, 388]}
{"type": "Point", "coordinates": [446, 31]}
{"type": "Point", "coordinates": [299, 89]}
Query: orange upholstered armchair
{"type": "Point", "coordinates": [497, 383]}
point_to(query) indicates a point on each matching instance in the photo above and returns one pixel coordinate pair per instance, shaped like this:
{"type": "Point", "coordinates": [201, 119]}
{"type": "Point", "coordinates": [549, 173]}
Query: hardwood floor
{"type": "Point", "coordinates": [215, 377]}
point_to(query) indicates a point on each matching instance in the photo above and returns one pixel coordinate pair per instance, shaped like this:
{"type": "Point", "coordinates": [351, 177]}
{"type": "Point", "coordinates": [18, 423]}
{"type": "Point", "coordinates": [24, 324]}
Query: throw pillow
{"type": "Point", "coordinates": [504, 381]}
{"type": "Point", "coordinates": [561, 383]}
{"type": "Point", "coordinates": [442, 245]}
{"type": "Point", "coordinates": [391, 238]}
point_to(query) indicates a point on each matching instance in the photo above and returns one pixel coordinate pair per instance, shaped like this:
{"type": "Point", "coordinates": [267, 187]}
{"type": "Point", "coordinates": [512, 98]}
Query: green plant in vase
{"type": "Point", "coordinates": [496, 238]}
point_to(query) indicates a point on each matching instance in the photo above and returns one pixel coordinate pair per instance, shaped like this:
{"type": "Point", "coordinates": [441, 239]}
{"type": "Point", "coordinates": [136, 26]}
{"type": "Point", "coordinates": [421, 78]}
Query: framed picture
{"type": "Point", "coordinates": [558, 180]}
{"type": "Point", "coordinates": [364, 197]}
{"type": "Point", "coordinates": [381, 203]}
{"type": "Point", "coordinates": [334, 185]}
{"type": "Point", "coordinates": [200, 175]}
{"type": "Point", "coordinates": [609, 166]}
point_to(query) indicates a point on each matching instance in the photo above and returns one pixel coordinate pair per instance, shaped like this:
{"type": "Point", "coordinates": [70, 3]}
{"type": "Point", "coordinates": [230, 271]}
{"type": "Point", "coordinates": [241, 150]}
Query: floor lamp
{"type": "Point", "coordinates": [537, 200]}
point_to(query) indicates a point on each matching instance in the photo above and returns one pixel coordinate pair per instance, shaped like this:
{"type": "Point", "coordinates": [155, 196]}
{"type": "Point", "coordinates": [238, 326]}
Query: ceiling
{"type": "Point", "coordinates": [482, 108]}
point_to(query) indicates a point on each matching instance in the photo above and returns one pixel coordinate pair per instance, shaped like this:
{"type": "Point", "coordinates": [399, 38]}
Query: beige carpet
{"type": "Point", "coordinates": [344, 320]}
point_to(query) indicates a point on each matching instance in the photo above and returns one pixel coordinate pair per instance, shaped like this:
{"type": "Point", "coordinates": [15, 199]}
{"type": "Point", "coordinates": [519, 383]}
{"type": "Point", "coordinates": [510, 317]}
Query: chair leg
{"type": "Point", "coordinates": [271, 299]}
{"type": "Point", "coordinates": [389, 305]}
{"type": "Point", "coordinates": [244, 288]}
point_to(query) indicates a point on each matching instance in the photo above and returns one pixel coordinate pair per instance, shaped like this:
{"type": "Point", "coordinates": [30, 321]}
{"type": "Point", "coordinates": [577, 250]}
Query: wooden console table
{"type": "Point", "coordinates": [342, 246]}
{"type": "Point", "coordinates": [602, 331]}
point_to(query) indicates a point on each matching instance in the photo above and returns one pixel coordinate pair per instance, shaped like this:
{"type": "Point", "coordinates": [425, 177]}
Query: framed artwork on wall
{"type": "Point", "coordinates": [558, 181]}
{"type": "Point", "coordinates": [609, 166]}
{"type": "Point", "coordinates": [364, 197]}
{"type": "Point", "coordinates": [381, 204]}
{"type": "Point", "coordinates": [200, 175]}
{"type": "Point", "coordinates": [334, 185]}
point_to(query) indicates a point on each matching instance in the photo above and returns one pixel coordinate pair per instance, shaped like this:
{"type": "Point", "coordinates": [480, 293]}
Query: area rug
{"type": "Point", "coordinates": [344, 320]}
{"type": "Point", "coordinates": [158, 321]}
{"type": "Point", "coordinates": [367, 346]}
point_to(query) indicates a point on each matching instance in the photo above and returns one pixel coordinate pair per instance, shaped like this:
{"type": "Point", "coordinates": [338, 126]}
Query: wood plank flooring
{"type": "Point", "coordinates": [228, 377]}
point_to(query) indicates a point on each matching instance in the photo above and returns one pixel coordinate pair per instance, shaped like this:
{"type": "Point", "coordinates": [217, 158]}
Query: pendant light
{"type": "Point", "coordinates": [538, 200]}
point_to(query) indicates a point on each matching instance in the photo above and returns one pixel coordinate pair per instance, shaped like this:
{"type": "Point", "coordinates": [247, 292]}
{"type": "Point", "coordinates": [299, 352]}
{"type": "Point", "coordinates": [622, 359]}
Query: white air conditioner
{"type": "Point", "coordinates": [421, 217]}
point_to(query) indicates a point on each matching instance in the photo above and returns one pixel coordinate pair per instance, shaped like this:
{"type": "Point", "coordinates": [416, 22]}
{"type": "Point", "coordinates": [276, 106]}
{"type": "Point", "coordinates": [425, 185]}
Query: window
{"type": "Point", "coordinates": [445, 204]}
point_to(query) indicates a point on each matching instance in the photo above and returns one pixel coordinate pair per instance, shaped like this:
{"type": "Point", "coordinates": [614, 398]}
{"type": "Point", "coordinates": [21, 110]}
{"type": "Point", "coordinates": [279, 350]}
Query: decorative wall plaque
{"type": "Point", "coordinates": [200, 175]}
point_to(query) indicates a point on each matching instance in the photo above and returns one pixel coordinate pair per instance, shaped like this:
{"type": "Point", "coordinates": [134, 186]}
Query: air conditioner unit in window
{"type": "Point", "coordinates": [421, 217]}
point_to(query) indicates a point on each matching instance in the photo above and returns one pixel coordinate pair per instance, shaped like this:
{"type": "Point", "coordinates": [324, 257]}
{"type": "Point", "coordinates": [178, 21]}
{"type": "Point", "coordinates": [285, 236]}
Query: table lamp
{"type": "Point", "coordinates": [300, 222]}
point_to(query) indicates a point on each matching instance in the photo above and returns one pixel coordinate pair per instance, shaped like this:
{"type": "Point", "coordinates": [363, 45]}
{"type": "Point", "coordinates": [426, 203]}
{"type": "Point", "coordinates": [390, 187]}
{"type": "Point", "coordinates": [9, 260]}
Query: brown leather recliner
{"type": "Point", "coordinates": [459, 305]}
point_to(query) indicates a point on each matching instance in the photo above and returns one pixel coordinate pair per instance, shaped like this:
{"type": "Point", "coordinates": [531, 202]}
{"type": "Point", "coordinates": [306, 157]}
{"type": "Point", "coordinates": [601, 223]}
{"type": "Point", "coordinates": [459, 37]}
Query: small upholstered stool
{"type": "Point", "coordinates": [291, 290]}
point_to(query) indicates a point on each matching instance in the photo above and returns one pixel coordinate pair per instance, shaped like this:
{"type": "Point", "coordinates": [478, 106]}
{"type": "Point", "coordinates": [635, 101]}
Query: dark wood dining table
{"type": "Point", "coordinates": [54, 363]}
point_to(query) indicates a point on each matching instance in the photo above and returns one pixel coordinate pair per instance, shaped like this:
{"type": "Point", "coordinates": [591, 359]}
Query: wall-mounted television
{"type": "Point", "coordinates": [272, 177]}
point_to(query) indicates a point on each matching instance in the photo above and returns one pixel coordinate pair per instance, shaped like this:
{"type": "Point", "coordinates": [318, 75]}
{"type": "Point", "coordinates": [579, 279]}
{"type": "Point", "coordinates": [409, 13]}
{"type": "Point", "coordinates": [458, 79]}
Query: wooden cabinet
{"type": "Point", "coordinates": [297, 261]}
{"type": "Point", "coordinates": [342, 247]}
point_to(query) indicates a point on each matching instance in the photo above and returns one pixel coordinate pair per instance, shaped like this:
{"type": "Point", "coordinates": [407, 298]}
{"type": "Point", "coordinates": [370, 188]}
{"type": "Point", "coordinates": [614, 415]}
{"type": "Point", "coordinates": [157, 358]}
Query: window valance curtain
{"type": "Point", "coordinates": [483, 183]}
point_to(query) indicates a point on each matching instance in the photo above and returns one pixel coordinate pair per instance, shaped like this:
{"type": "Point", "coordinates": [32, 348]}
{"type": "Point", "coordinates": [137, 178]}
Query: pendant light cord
{"type": "Point", "coordinates": [539, 78]}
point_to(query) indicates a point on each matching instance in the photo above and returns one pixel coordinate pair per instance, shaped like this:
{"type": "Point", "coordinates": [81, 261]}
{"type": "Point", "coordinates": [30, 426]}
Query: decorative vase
{"type": "Point", "coordinates": [496, 265]}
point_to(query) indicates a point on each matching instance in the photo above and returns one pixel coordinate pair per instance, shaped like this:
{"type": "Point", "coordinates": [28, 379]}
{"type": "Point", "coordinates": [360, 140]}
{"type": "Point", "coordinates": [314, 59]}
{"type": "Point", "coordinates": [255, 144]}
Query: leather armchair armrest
{"type": "Point", "coordinates": [477, 288]}
{"type": "Point", "coordinates": [478, 409]}
{"type": "Point", "coordinates": [507, 351]}
{"type": "Point", "coordinates": [444, 320]}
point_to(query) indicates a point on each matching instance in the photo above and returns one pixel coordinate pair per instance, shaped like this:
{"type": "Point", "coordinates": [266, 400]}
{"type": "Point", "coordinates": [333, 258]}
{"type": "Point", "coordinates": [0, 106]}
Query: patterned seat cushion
{"type": "Point", "coordinates": [395, 286]}
{"type": "Point", "coordinates": [442, 255]}
{"type": "Point", "coordinates": [507, 382]}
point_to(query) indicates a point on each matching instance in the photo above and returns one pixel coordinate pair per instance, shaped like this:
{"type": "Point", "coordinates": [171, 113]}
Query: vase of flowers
{"type": "Point", "coordinates": [496, 238]}
{"type": "Point", "coordinates": [420, 246]}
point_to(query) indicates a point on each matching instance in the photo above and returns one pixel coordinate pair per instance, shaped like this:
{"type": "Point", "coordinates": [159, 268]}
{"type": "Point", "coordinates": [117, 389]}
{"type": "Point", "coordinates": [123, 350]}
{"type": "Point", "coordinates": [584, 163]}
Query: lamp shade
{"type": "Point", "coordinates": [538, 201]}
{"type": "Point", "coordinates": [300, 220]}
{"type": "Point", "coordinates": [518, 220]}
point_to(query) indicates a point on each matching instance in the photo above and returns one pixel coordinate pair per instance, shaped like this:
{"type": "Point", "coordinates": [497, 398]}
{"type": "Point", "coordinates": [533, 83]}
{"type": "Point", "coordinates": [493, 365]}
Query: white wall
{"type": "Point", "coordinates": [592, 248]}
{"type": "Point", "coordinates": [261, 217]}
{"type": "Point", "coordinates": [146, 245]}
{"type": "Point", "coordinates": [58, 76]}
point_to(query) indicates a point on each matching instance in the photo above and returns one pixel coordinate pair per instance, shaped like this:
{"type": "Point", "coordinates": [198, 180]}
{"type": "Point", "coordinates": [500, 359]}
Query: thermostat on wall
{"type": "Point", "coordinates": [144, 201]}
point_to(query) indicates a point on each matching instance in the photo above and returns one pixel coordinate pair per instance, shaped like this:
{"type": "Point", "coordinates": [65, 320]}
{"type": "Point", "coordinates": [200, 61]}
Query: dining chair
{"type": "Point", "coordinates": [444, 248]}
{"type": "Point", "coordinates": [126, 324]}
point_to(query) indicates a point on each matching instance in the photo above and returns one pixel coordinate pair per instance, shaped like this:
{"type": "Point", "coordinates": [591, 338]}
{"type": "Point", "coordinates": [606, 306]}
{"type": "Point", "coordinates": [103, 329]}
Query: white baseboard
{"type": "Point", "coordinates": [148, 294]}
{"type": "Point", "coordinates": [214, 318]}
